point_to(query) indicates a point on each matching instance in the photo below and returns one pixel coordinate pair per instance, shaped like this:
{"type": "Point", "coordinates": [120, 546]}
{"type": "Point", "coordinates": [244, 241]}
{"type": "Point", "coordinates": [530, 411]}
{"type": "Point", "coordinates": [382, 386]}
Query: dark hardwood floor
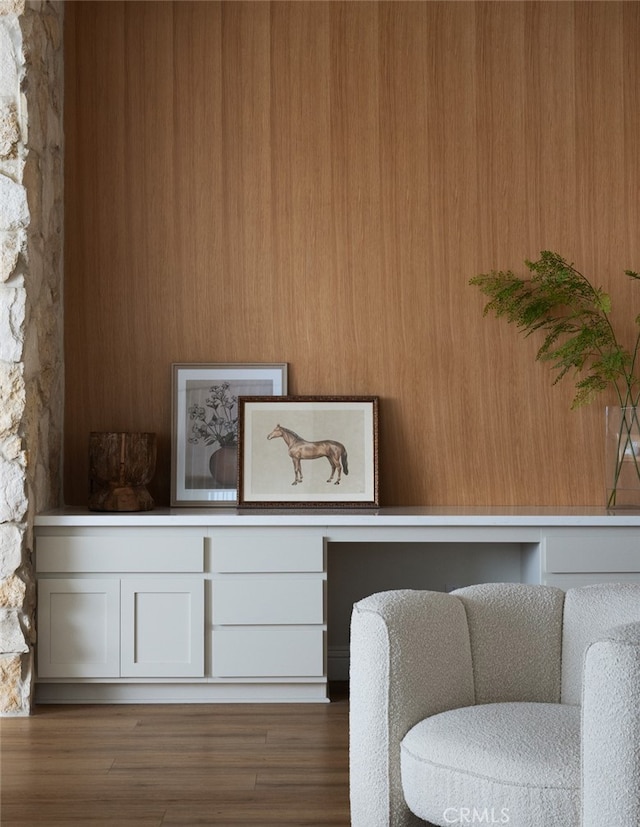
{"type": "Point", "coordinates": [152, 765]}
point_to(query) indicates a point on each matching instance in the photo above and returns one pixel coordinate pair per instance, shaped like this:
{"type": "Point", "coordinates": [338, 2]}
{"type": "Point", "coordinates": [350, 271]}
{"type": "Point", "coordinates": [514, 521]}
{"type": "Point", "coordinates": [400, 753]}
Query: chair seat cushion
{"type": "Point", "coordinates": [503, 763]}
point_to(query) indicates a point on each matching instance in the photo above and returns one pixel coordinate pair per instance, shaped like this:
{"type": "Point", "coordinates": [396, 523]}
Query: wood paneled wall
{"type": "Point", "coordinates": [315, 183]}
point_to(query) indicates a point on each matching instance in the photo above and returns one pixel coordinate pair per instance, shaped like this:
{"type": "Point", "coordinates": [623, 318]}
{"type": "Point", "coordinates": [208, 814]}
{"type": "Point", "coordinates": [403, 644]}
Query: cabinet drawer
{"type": "Point", "coordinates": [604, 553]}
{"type": "Point", "coordinates": [268, 552]}
{"type": "Point", "coordinates": [265, 600]}
{"type": "Point", "coordinates": [266, 653]}
{"type": "Point", "coordinates": [128, 553]}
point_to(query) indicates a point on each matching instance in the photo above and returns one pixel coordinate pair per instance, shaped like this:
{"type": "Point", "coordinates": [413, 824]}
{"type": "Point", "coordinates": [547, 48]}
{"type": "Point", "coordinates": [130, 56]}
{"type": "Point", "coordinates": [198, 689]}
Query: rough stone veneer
{"type": "Point", "coordinates": [31, 221]}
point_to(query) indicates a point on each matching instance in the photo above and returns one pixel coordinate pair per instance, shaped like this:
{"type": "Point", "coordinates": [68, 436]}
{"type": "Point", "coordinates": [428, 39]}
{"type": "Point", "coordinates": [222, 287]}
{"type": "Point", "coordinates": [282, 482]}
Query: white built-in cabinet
{"type": "Point", "coordinates": [144, 614]}
{"type": "Point", "coordinates": [219, 605]}
{"type": "Point", "coordinates": [118, 628]}
{"type": "Point", "coordinates": [120, 606]}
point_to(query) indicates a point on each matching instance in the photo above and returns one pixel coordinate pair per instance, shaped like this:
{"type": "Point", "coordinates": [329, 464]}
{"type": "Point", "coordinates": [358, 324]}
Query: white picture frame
{"type": "Point", "coordinates": [204, 423]}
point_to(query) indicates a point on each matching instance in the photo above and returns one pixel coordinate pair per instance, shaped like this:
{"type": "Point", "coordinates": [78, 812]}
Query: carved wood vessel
{"type": "Point", "coordinates": [120, 467]}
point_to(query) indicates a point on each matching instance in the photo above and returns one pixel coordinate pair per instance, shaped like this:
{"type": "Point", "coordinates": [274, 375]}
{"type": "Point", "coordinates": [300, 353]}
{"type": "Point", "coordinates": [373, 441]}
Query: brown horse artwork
{"type": "Point", "coordinates": [300, 448]}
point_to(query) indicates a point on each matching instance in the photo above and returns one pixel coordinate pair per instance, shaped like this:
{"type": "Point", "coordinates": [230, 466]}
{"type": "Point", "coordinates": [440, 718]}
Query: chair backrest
{"type": "Point", "coordinates": [589, 611]}
{"type": "Point", "coordinates": [516, 641]}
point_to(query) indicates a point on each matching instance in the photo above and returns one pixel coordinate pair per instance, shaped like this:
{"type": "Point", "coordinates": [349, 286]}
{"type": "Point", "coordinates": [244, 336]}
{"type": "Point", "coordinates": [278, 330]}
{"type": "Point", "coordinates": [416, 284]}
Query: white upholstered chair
{"type": "Point", "coordinates": [496, 704]}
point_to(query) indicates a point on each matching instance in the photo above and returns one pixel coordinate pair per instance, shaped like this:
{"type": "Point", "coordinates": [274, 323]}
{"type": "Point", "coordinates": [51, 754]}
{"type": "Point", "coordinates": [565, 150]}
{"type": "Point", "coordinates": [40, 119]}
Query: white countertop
{"type": "Point", "coordinates": [436, 516]}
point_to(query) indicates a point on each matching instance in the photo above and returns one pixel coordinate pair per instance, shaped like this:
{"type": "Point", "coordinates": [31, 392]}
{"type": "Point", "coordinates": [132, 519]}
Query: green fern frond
{"type": "Point", "coordinates": [574, 315]}
{"type": "Point", "coordinates": [588, 389]}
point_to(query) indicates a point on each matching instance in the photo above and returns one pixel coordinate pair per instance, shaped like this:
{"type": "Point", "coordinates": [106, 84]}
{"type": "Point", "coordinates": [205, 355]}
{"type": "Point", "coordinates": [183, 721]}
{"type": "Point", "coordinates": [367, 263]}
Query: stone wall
{"type": "Point", "coordinates": [31, 278]}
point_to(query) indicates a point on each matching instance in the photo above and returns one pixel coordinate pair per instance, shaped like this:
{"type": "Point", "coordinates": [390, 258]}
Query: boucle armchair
{"type": "Point", "coordinates": [496, 704]}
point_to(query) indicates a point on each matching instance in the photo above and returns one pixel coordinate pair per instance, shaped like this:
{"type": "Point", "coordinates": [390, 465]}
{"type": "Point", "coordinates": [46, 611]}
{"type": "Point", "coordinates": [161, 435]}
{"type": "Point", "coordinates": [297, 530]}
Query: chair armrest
{"type": "Point", "coordinates": [410, 658]}
{"type": "Point", "coordinates": [611, 729]}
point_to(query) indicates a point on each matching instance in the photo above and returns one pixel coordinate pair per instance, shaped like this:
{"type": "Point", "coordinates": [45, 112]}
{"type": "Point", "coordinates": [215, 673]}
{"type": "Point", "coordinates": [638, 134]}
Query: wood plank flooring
{"type": "Point", "coordinates": [152, 765]}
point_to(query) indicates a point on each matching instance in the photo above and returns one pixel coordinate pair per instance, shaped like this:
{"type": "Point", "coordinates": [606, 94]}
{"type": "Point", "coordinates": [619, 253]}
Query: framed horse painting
{"type": "Point", "coordinates": [308, 451]}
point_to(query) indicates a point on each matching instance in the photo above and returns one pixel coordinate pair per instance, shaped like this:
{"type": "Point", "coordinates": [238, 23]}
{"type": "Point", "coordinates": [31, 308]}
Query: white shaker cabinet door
{"type": "Point", "coordinates": [162, 627]}
{"type": "Point", "coordinates": [78, 628]}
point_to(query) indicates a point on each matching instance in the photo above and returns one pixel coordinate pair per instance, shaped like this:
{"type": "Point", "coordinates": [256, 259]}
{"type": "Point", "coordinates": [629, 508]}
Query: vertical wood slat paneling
{"type": "Point", "coordinates": [315, 183]}
{"type": "Point", "coordinates": [198, 171]}
{"type": "Point", "coordinates": [242, 283]}
{"type": "Point", "coordinates": [631, 110]}
{"type": "Point", "coordinates": [600, 135]}
{"type": "Point", "coordinates": [302, 263]}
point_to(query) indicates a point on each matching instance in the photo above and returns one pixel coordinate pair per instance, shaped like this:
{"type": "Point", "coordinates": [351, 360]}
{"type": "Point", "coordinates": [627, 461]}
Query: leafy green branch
{"type": "Point", "coordinates": [574, 315]}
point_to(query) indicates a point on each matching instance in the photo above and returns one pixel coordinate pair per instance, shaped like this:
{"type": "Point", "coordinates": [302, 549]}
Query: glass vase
{"type": "Point", "coordinates": [623, 457]}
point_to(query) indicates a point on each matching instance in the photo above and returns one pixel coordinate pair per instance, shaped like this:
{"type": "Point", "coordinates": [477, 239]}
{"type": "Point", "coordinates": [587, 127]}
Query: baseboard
{"type": "Point", "coordinates": [167, 693]}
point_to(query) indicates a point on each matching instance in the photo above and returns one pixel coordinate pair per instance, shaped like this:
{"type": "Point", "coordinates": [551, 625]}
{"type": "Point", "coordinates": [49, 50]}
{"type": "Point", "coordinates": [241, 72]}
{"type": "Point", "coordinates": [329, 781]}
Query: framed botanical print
{"type": "Point", "coordinates": [204, 432]}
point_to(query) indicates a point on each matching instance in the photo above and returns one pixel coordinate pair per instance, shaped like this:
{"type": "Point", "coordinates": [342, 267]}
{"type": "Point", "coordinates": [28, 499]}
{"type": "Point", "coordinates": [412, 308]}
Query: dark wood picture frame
{"type": "Point", "coordinates": [308, 452]}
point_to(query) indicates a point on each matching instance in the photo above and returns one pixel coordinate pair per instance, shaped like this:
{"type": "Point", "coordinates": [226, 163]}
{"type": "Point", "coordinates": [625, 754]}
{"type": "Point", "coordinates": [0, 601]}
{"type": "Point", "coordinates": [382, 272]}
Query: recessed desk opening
{"type": "Point", "coordinates": [356, 570]}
